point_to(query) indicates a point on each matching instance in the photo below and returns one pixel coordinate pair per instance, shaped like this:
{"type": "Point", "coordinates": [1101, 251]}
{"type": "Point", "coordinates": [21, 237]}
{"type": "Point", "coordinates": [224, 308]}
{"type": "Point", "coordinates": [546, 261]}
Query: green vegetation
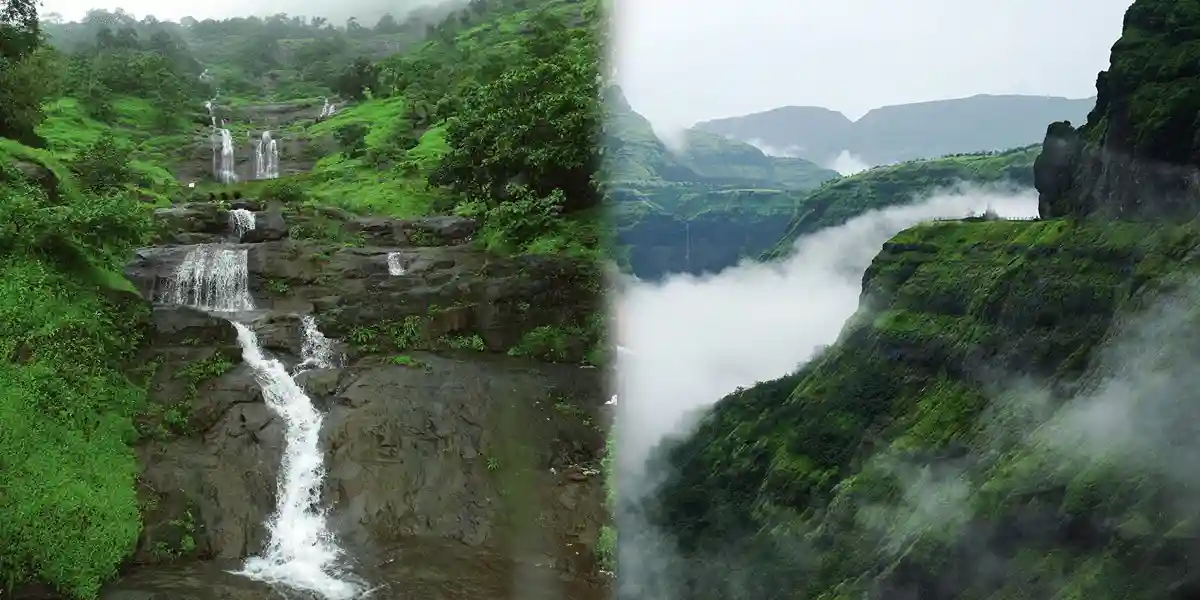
{"type": "Point", "coordinates": [820, 455]}
{"type": "Point", "coordinates": [101, 121]}
{"type": "Point", "coordinates": [1005, 415]}
{"type": "Point", "coordinates": [607, 544]}
{"type": "Point", "coordinates": [840, 200]}
{"type": "Point", "coordinates": [687, 228]}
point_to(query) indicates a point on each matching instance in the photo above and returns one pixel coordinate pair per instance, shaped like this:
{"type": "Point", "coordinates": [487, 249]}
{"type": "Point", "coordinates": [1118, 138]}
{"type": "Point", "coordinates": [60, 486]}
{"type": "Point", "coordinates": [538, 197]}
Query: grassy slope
{"type": "Point", "coordinates": [66, 402]}
{"type": "Point", "coordinates": [880, 187]}
{"type": "Point", "coordinates": [355, 185]}
{"type": "Point", "coordinates": [951, 306]}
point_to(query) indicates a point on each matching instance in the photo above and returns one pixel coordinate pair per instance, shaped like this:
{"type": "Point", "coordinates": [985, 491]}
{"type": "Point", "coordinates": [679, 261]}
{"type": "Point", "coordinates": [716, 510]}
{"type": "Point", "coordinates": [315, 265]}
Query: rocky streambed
{"type": "Point", "coordinates": [463, 429]}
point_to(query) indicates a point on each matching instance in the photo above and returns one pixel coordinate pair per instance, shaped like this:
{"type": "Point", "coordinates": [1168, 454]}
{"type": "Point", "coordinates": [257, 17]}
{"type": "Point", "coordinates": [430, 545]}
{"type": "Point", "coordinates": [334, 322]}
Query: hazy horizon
{"type": "Point", "coordinates": [736, 59]}
{"type": "Point", "coordinates": [75, 10]}
{"type": "Point", "coordinates": [928, 101]}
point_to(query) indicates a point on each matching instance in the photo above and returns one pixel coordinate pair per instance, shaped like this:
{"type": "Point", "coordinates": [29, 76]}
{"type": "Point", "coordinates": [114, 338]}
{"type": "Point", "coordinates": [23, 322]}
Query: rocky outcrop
{"type": "Point", "coordinates": [442, 429]}
{"type": "Point", "coordinates": [1138, 153]}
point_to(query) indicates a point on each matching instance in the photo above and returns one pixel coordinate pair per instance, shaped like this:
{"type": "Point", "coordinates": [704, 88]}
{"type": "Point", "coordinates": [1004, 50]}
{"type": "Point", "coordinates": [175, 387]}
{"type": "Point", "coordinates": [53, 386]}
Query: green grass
{"type": "Point", "coordinates": [69, 131]}
{"type": "Point", "coordinates": [71, 514]}
{"type": "Point", "coordinates": [396, 190]}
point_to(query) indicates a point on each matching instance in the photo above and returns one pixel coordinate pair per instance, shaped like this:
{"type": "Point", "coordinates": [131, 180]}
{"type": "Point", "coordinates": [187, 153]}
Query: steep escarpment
{"type": "Point", "coordinates": [1136, 156]}
{"type": "Point", "coordinates": [901, 460]}
{"type": "Point", "coordinates": [1006, 414]}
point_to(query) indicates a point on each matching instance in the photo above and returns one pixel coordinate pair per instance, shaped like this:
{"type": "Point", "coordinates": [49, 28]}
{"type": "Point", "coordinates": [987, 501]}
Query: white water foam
{"type": "Point", "coordinates": [241, 220]}
{"type": "Point", "coordinates": [266, 157]}
{"type": "Point", "coordinates": [395, 266]}
{"type": "Point", "coordinates": [213, 278]}
{"type": "Point", "coordinates": [225, 171]}
{"type": "Point", "coordinates": [317, 351]}
{"type": "Point", "coordinates": [301, 552]}
{"type": "Point", "coordinates": [327, 110]}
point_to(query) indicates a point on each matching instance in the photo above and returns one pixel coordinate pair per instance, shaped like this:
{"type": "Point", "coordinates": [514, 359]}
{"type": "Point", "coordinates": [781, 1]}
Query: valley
{"type": "Point", "coordinates": [905, 404]}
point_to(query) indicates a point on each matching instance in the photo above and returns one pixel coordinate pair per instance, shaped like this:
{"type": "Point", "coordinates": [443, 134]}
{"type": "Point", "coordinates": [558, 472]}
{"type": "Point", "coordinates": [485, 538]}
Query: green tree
{"type": "Point", "coordinates": [536, 124]}
{"type": "Point", "coordinates": [355, 81]}
{"type": "Point", "coordinates": [104, 166]}
{"type": "Point", "coordinates": [24, 80]}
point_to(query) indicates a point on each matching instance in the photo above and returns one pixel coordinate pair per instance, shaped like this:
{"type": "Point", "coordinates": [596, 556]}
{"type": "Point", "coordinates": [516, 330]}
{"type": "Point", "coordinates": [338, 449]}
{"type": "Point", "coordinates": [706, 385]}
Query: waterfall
{"type": "Point", "coordinates": [317, 351]}
{"type": "Point", "coordinates": [241, 220]}
{"type": "Point", "coordinates": [212, 278]}
{"type": "Point", "coordinates": [395, 267]}
{"type": "Point", "coordinates": [301, 552]}
{"type": "Point", "coordinates": [327, 110]}
{"type": "Point", "coordinates": [225, 172]}
{"type": "Point", "coordinates": [266, 157]}
{"type": "Point", "coordinates": [212, 120]}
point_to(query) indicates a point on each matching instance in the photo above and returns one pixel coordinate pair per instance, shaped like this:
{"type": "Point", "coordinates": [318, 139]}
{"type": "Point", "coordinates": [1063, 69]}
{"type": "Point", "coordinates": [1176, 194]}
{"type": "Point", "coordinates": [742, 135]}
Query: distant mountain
{"type": "Point", "coordinates": [700, 207]}
{"type": "Point", "coordinates": [904, 132]}
{"type": "Point", "coordinates": [635, 155]}
{"type": "Point", "coordinates": [714, 201]}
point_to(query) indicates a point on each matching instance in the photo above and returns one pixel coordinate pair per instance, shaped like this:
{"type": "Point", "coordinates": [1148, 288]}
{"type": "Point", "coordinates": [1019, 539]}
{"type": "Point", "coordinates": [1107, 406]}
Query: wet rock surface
{"type": "Point", "coordinates": [452, 472]}
{"type": "Point", "coordinates": [411, 571]}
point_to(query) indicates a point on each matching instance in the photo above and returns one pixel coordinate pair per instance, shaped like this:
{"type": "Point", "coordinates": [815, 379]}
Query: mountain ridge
{"type": "Point", "coordinates": [899, 132]}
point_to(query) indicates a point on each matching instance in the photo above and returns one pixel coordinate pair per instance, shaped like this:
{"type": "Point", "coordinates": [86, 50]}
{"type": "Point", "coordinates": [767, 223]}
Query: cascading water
{"type": "Point", "coordinates": [214, 278]}
{"type": "Point", "coordinates": [317, 351]}
{"type": "Point", "coordinates": [212, 120]}
{"type": "Point", "coordinates": [241, 220]}
{"type": "Point", "coordinates": [395, 266]}
{"type": "Point", "coordinates": [301, 552]}
{"type": "Point", "coordinates": [266, 157]}
{"type": "Point", "coordinates": [327, 110]}
{"type": "Point", "coordinates": [225, 172]}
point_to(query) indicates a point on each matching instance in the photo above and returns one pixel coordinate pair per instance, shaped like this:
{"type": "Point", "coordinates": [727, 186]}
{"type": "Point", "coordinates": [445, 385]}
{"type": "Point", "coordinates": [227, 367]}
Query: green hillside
{"type": "Point", "coordinates": [94, 135]}
{"type": "Point", "coordinates": [688, 228]}
{"type": "Point", "coordinates": [1009, 414]}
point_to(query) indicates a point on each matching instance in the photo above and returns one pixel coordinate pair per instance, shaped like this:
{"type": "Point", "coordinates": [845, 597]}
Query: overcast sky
{"type": "Point", "coordinates": [73, 10]}
{"type": "Point", "coordinates": [682, 61]}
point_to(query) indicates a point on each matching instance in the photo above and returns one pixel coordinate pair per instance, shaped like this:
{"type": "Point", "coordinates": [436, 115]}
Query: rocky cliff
{"type": "Point", "coordinates": [465, 418]}
{"type": "Point", "coordinates": [1007, 414]}
{"type": "Point", "coordinates": [1136, 156]}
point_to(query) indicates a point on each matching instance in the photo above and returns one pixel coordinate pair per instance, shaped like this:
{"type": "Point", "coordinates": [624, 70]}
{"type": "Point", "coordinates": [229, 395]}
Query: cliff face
{"type": "Point", "coordinates": [902, 462]}
{"type": "Point", "coordinates": [1136, 156]}
{"type": "Point", "coordinates": [1007, 414]}
{"type": "Point", "coordinates": [463, 421]}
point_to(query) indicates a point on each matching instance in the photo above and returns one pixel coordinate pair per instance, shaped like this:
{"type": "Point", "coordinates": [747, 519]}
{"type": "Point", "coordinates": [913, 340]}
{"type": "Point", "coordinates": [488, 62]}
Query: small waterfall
{"type": "Point", "coordinates": [213, 278]}
{"type": "Point", "coordinates": [327, 110]}
{"type": "Point", "coordinates": [317, 351]}
{"type": "Point", "coordinates": [241, 220]}
{"type": "Point", "coordinates": [395, 267]}
{"type": "Point", "coordinates": [301, 552]}
{"type": "Point", "coordinates": [266, 157]}
{"type": "Point", "coordinates": [212, 120]}
{"type": "Point", "coordinates": [225, 172]}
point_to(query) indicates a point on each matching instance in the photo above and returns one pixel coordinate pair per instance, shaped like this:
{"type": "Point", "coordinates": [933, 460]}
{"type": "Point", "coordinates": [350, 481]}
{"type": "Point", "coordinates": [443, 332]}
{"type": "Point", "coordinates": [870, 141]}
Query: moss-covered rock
{"type": "Point", "coordinates": [1135, 156]}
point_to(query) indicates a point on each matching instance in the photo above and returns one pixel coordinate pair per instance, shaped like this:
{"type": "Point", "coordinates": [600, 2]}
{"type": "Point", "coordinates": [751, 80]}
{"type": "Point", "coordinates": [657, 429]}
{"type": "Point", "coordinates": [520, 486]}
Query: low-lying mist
{"type": "Point", "coordinates": [693, 340]}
